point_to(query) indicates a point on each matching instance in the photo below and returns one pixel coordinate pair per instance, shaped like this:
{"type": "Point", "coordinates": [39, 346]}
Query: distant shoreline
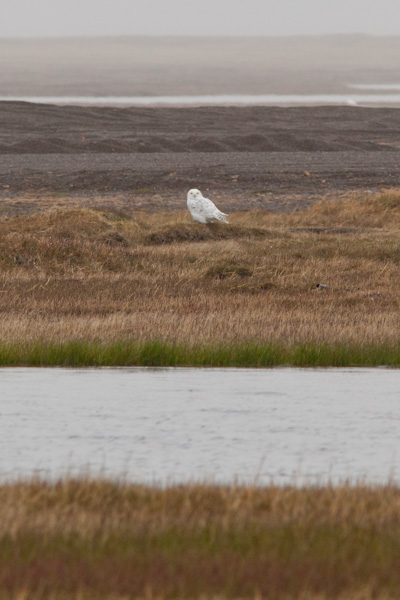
{"type": "Point", "coordinates": [378, 100]}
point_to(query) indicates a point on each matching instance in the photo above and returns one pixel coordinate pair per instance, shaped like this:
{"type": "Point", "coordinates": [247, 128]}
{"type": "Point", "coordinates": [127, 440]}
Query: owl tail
{"type": "Point", "coordinates": [222, 217]}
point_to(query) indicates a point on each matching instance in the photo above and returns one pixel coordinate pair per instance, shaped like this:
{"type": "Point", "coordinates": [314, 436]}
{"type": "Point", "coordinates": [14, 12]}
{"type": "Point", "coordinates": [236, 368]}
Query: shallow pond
{"type": "Point", "coordinates": [175, 425]}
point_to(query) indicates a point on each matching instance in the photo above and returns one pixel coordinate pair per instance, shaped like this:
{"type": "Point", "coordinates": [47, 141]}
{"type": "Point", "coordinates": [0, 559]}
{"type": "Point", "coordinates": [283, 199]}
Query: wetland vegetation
{"type": "Point", "coordinates": [82, 286]}
{"type": "Point", "coordinates": [92, 538]}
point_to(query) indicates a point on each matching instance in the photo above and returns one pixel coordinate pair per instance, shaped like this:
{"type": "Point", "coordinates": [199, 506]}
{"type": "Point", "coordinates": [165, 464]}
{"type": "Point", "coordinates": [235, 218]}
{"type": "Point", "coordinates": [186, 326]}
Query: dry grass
{"type": "Point", "coordinates": [97, 539]}
{"type": "Point", "coordinates": [87, 275]}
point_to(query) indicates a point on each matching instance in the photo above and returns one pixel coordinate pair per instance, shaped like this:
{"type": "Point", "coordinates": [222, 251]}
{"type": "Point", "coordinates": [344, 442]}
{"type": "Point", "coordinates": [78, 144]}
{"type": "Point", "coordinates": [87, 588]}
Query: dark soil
{"type": "Point", "coordinates": [245, 157]}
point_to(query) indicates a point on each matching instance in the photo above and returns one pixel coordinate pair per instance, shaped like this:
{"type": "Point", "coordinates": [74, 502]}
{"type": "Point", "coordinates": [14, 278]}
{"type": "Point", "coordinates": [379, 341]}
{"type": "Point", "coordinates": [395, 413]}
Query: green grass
{"type": "Point", "coordinates": [163, 354]}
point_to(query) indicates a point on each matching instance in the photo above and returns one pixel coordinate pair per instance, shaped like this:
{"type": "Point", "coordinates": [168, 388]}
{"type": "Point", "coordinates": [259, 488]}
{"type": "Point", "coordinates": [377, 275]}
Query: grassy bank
{"type": "Point", "coordinates": [97, 539]}
{"type": "Point", "coordinates": [315, 287]}
{"type": "Point", "coordinates": [164, 354]}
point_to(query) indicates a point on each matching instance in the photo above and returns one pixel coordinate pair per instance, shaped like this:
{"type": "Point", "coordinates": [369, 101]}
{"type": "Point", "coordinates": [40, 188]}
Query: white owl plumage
{"type": "Point", "coordinates": [202, 209]}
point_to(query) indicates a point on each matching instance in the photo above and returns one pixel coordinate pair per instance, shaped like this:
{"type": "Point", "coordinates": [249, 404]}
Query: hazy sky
{"type": "Point", "coordinates": [201, 17]}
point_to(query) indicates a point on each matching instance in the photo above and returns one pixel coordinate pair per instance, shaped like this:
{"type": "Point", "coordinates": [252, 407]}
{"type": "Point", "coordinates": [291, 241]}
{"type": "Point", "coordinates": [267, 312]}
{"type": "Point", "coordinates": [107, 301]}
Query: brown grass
{"type": "Point", "coordinates": [97, 539]}
{"type": "Point", "coordinates": [83, 274]}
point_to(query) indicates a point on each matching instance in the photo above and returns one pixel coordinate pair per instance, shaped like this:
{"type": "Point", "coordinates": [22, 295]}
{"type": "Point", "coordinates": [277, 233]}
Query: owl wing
{"type": "Point", "coordinates": [208, 207]}
{"type": "Point", "coordinates": [212, 212]}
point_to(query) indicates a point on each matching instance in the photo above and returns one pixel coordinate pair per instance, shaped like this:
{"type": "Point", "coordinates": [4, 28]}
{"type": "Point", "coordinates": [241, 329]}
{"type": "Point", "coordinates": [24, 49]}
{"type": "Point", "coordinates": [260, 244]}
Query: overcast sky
{"type": "Point", "coordinates": [201, 17]}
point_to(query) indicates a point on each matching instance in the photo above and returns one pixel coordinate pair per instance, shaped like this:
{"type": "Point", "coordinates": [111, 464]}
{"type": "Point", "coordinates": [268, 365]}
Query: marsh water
{"type": "Point", "coordinates": [176, 425]}
{"type": "Point", "coordinates": [352, 99]}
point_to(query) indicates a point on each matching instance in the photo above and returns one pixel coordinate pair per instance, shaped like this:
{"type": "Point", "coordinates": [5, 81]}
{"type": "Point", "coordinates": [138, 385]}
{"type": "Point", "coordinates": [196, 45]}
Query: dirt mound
{"type": "Point", "coordinates": [194, 233]}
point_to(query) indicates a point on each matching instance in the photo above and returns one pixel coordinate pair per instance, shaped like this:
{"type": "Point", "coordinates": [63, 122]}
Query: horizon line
{"type": "Point", "coordinates": [32, 37]}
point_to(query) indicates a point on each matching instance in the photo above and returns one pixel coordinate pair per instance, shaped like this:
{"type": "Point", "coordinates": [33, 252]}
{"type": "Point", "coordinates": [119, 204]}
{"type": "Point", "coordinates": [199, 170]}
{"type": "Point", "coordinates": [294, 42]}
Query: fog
{"type": "Point", "coordinates": [43, 18]}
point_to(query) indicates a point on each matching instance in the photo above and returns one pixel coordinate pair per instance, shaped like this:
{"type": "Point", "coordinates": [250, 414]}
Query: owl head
{"type": "Point", "coordinates": [194, 193]}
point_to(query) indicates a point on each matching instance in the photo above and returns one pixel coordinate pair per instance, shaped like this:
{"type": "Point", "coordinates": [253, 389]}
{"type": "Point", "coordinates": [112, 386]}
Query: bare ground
{"type": "Point", "coordinates": [271, 158]}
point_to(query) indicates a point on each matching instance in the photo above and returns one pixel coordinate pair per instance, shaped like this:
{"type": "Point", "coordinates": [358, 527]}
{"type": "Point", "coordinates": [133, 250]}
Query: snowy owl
{"type": "Point", "coordinates": [202, 209]}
